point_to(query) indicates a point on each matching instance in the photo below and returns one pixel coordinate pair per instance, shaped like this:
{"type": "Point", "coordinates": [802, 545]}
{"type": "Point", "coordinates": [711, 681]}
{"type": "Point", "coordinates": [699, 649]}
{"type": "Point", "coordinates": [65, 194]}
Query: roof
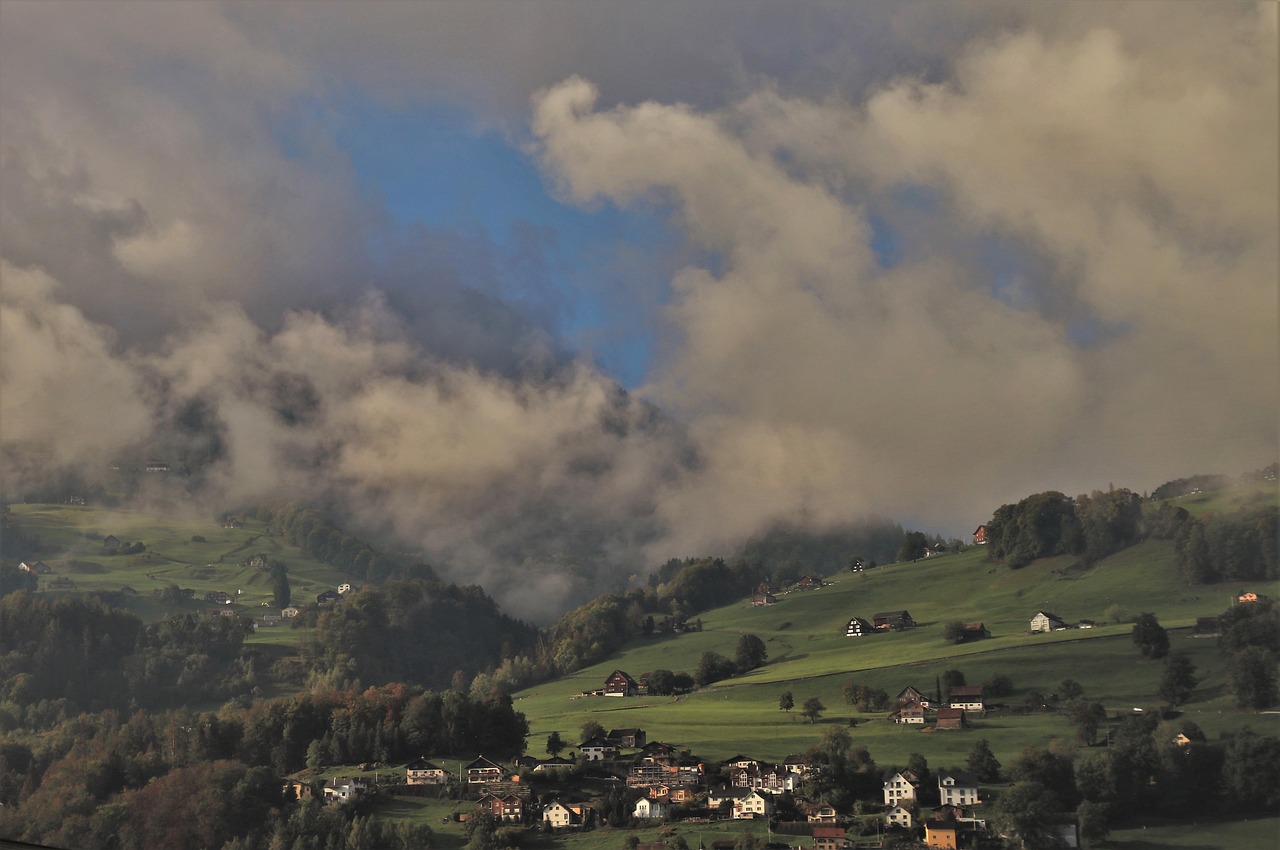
{"type": "Point", "coordinates": [1051, 616]}
{"type": "Point", "coordinates": [902, 613]}
{"type": "Point", "coordinates": [966, 691]}
{"type": "Point", "coordinates": [482, 763]}
{"type": "Point", "coordinates": [950, 714]}
{"type": "Point", "coordinates": [421, 764]}
{"type": "Point", "coordinates": [961, 778]}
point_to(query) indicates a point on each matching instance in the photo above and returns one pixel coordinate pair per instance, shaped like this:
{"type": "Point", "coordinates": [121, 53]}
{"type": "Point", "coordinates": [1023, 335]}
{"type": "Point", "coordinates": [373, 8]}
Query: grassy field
{"type": "Point", "coordinates": [809, 656]}
{"type": "Point", "coordinates": [71, 538]}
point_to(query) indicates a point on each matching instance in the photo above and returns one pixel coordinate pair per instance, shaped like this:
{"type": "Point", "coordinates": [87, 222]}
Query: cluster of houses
{"type": "Point", "coordinates": [914, 708]}
{"type": "Point", "coordinates": [766, 594]}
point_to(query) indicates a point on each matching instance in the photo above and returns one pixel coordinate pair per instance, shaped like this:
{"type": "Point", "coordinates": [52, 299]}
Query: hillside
{"type": "Point", "coordinates": [809, 655]}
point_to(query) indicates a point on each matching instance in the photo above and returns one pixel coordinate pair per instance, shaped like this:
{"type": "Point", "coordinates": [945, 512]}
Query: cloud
{"type": "Point", "coordinates": [1082, 288]}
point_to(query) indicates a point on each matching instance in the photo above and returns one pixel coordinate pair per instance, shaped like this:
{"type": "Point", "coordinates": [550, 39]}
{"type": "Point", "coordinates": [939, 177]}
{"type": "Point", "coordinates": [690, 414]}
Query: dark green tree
{"type": "Point", "coordinates": [953, 631]}
{"type": "Point", "coordinates": [1070, 689]}
{"type": "Point", "coordinates": [1252, 675]}
{"type": "Point", "coordinates": [751, 653]}
{"type": "Point", "coordinates": [555, 744]}
{"type": "Point", "coordinates": [1251, 771]}
{"type": "Point", "coordinates": [280, 592]}
{"type": "Point", "coordinates": [1094, 821]}
{"type": "Point", "coordinates": [712, 667]}
{"type": "Point", "coordinates": [786, 702]}
{"type": "Point", "coordinates": [812, 709]}
{"type": "Point", "coordinates": [913, 546]}
{"type": "Point", "coordinates": [1178, 680]}
{"type": "Point", "coordinates": [592, 729]}
{"type": "Point", "coordinates": [1151, 638]}
{"type": "Point", "coordinates": [982, 762]}
{"type": "Point", "coordinates": [1026, 813]}
{"type": "Point", "coordinates": [1086, 717]}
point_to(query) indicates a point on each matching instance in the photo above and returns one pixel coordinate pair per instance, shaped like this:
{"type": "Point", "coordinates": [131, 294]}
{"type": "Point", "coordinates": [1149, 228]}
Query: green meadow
{"type": "Point", "coordinates": [810, 657]}
{"type": "Point", "coordinates": [71, 543]}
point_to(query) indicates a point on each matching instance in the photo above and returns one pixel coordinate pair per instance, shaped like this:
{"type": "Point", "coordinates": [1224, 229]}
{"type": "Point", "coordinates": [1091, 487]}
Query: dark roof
{"type": "Point", "coordinates": [962, 778]}
{"type": "Point", "coordinates": [482, 763]}
{"type": "Point", "coordinates": [421, 764]}
{"type": "Point", "coordinates": [966, 691]}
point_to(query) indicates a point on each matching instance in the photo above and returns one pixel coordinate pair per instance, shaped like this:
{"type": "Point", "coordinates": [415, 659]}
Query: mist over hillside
{"type": "Point", "coordinates": [549, 317]}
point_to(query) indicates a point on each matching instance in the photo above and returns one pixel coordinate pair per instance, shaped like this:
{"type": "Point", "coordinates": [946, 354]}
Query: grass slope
{"type": "Point", "coordinates": [71, 544]}
{"type": "Point", "coordinates": [809, 655]}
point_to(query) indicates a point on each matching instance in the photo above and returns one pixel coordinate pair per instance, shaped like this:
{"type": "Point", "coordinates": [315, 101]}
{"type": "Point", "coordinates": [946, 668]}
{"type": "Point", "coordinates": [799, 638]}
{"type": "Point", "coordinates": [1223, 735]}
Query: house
{"type": "Point", "coordinates": [423, 772]}
{"type": "Point", "coordinates": [968, 697]}
{"type": "Point", "coordinates": [957, 788]}
{"type": "Point", "coordinates": [684, 793]}
{"type": "Point", "coordinates": [892, 620]}
{"type": "Point", "coordinates": [1043, 621]}
{"type": "Point", "coordinates": [980, 535]}
{"type": "Point", "coordinates": [327, 597]}
{"type": "Point", "coordinates": [910, 694]}
{"type": "Point", "coordinates": [270, 619]}
{"type": "Point", "coordinates": [656, 751]}
{"type": "Point", "coordinates": [559, 815]}
{"type": "Point", "coordinates": [342, 790]}
{"type": "Point", "coordinates": [555, 764]}
{"type": "Point", "coordinates": [111, 544]}
{"type": "Point", "coordinates": [857, 627]}
{"type": "Point", "coordinates": [759, 599]}
{"type": "Point", "coordinates": [1207, 627]}
{"type": "Point", "coordinates": [819, 813]}
{"type": "Point", "coordinates": [935, 550]}
{"type": "Point", "coordinates": [900, 816]}
{"type": "Point", "coordinates": [35, 568]}
{"type": "Point", "coordinates": [300, 790]}
{"type": "Point", "coordinates": [829, 838]}
{"type": "Point", "coordinates": [752, 805]}
{"type": "Point", "coordinates": [899, 788]}
{"type": "Point", "coordinates": [912, 713]}
{"type": "Point", "coordinates": [627, 738]}
{"type": "Point", "coordinates": [1181, 740]}
{"type": "Point", "coordinates": [950, 718]}
{"type": "Point", "coordinates": [649, 808]}
{"type": "Point", "coordinates": [289, 613]}
{"type": "Point", "coordinates": [1248, 596]}
{"type": "Point", "coordinates": [597, 749]}
{"type": "Point", "coordinates": [344, 589]}
{"type": "Point", "coordinates": [619, 684]}
{"type": "Point", "coordinates": [808, 583]}
{"type": "Point", "coordinates": [769, 779]}
{"type": "Point", "coordinates": [256, 561]}
{"type": "Point", "coordinates": [741, 761]}
{"type": "Point", "coordinates": [976, 631]}
{"type": "Point", "coordinates": [218, 597]}
{"type": "Point", "coordinates": [798, 764]}
{"type": "Point", "coordinates": [484, 770]}
{"type": "Point", "coordinates": [508, 808]}
{"type": "Point", "coordinates": [940, 833]}
{"type": "Point", "coordinates": [724, 795]}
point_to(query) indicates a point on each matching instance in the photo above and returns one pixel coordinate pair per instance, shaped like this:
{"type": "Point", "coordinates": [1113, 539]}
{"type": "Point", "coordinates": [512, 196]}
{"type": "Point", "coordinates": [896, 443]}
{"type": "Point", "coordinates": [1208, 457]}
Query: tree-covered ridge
{"type": "Point", "coordinates": [1050, 523]}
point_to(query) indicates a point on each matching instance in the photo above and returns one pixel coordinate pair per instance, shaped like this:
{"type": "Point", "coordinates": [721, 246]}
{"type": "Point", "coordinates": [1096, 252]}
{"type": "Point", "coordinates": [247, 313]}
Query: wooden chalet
{"type": "Point", "coordinates": [980, 535]}
{"type": "Point", "coordinates": [950, 718]}
{"type": "Point", "coordinates": [483, 770]}
{"type": "Point", "coordinates": [858, 627]}
{"type": "Point", "coordinates": [619, 684]}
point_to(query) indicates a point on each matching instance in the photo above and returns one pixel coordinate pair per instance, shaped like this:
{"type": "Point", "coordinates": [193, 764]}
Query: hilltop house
{"type": "Point", "coordinates": [1043, 621]}
{"type": "Point", "coordinates": [980, 535]}
{"type": "Point", "coordinates": [857, 627]}
{"type": "Point", "coordinates": [975, 631]}
{"type": "Point", "coordinates": [619, 684]}
{"type": "Point", "coordinates": [423, 772]}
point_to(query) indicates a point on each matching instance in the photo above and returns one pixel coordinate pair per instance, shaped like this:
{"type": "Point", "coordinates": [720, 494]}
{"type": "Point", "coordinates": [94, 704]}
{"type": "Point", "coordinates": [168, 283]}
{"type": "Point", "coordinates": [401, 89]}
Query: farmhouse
{"type": "Point", "coordinates": [892, 620]}
{"type": "Point", "coordinates": [968, 697]}
{"type": "Point", "coordinates": [808, 583]}
{"type": "Point", "coordinates": [820, 813]}
{"type": "Point", "coordinates": [553, 765]}
{"type": "Point", "coordinates": [341, 790]}
{"type": "Point", "coordinates": [35, 568]}
{"type": "Point", "coordinates": [1043, 621]}
{"type": "Point", "coordinates": [759, 599]}
{"type": "Point", "coordinates": [976, 631]}
{"type": "Point", "coordinates": [980, 535]}
{"type": "Point", "coordinates": [627, 738]}
{"type": "Point", "coordinates": [912, 713]}
{"type": "Point", "coordinates": [910, 694]}
{"type": "Point", "coordinates": [111, 544]}
{"type": "Point", "coordinates": [950, 718]}
{"type": "Point", "coordinates": [423, 772]}
{"type": "Point", "coordinates": [619, 684]}
{"type": "Point", "coordinates": [857, 627]}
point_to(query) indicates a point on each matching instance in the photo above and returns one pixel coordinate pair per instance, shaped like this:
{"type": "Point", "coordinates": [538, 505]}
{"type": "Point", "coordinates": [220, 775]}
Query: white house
{"type": "Point", "coordinates": [423, 772]}
{"type": "Point", "coordinates": [956, 788]}
{"type": "Point", "coordinates": [899, 816]}
{"type": "Point", "coordinates": [341, 790]}
{"type": "Point", "coordinates": [897, 789]}
{"type": "Point", "coordinates": [558, 815]}
{"type": "Point", "coordinates": [752, 805]}
{"type": "Point", "coordinates": [647, 808]}
{"type": "Point", "coordinates": [1043, 621]}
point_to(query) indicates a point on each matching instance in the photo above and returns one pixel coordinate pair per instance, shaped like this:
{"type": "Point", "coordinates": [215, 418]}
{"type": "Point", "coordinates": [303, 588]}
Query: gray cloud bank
{"type": "Point", "coordinates": [162, 249]}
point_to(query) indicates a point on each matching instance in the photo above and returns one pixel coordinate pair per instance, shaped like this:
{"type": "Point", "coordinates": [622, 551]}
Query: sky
{"type": "Point", "coordinates": [552, 292]}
